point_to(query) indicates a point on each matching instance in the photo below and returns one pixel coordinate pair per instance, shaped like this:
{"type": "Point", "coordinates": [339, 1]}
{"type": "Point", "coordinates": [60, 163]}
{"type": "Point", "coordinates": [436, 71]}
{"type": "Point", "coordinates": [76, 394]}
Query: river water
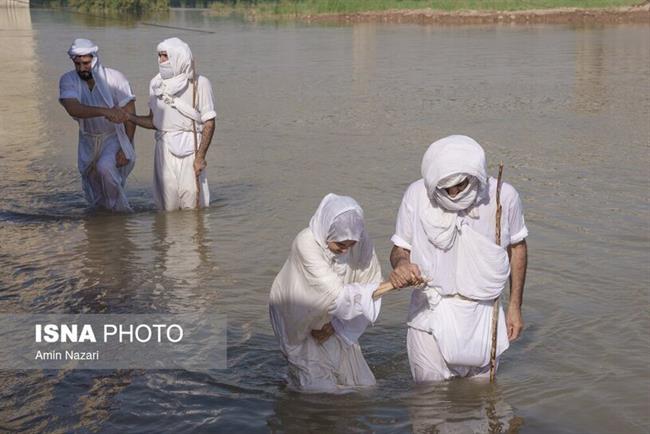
{"type": "Point", "coordinates": [305, 110]}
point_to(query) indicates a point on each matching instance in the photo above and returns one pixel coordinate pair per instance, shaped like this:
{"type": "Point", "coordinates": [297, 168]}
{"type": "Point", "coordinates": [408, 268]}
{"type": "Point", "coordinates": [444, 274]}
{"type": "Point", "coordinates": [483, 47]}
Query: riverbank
{"type": "Point", "coordinates": [556, 15]}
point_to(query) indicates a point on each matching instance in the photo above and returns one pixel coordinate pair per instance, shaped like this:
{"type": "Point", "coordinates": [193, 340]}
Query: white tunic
{"type": "Point", "coordinates": [174, 180]}
{"type": "Point", "coordinates": [102, 181]}
{"type": "Point", "coordinates": [437, 315]}
{"type": "Point", "coordinates": [312, 290]}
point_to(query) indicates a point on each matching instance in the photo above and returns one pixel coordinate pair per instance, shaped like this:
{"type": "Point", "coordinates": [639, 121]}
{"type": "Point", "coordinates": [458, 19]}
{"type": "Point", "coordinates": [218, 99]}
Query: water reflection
{"type": "Point", "coordinates": [363, 56]}
{"type": "Point", "coordinates": [590, 89]}
{"type": "Point", "coordinates": [180, 250]}
{"type": "Point", "coordinates": [20, 112]}
{"type": "Point", "coordinates": [461, 406]}
{"type": "Point", "coordinates": [109, 271]}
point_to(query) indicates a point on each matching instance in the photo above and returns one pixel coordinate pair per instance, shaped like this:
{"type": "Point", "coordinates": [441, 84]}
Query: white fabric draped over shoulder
{"type": "Point", "coordinates": [452, 240]}
{"type": "Point", "coordinates": [315, 287]}
{"type": "Point", "coordinates": [181, 103]}
{"type": "Point", "coordinates": [99, 139]}
{"type": "Point", "coordinates": [101, 75]}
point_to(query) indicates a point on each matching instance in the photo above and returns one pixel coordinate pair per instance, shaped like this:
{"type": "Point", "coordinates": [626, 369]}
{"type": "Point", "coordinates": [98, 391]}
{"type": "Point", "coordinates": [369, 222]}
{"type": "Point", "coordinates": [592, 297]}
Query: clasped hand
{"type": "Point", "coordinates": [324, 333]}
{"type": "Point", "coordinates": [116, 115]}
{"type": "Point", "coordinates": [406, 274]}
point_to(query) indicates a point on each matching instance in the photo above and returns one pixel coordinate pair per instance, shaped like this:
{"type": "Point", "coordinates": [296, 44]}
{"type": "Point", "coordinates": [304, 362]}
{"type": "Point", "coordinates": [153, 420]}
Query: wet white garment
{"type": "Point", "coordinates": [471, 265]}
{"type": "Point", "coordinates": [305, 295]}
{"type": "Point", "coordinates": [99, 139]}
{"type": "Point", "coordinates": [315, 287]}
{"type": "Point", "coordinates": [174, 185]}
{"type": "Point", "coordinates": [175, 140]}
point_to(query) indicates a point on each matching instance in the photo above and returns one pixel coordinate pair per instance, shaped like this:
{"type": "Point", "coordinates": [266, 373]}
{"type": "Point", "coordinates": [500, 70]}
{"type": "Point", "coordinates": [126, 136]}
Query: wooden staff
{"type": "Point", "coordinates": [196, 140]}
{"type": "Point", "coordinates": [384, 288]}
{"type": "Point", "coordinates": [495, 308]}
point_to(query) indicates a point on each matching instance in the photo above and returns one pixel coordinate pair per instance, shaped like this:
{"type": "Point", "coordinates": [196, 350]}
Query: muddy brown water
{"type": "Point", "coordinates": [303, 111]}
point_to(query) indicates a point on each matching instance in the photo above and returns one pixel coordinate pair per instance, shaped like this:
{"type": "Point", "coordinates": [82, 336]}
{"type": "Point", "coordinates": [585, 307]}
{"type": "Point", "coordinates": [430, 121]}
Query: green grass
{"type": "Point", "coordinates": [117, 7]}
{"type": "Point", "coordinates": [306, 7]}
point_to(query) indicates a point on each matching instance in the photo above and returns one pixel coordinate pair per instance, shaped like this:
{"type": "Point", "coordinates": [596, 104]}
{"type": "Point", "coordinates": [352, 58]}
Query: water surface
{"type": "Point", "coordinates": [307, 110]}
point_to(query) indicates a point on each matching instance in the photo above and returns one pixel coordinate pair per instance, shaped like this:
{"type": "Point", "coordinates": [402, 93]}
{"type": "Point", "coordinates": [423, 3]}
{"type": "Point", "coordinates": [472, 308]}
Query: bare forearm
{"type": "Point", "coordinates": [206, 138]}
{"type": "Point", "coordinates": [398, 255]}
{"type": "Point", "coordinates": [128, 126]}
{"type": "Point", "coordinates": [82, 111]}
{"type": "Point", "coordinates": [518, 264]}
{"type": "Point", "coordinates": [142, 121]}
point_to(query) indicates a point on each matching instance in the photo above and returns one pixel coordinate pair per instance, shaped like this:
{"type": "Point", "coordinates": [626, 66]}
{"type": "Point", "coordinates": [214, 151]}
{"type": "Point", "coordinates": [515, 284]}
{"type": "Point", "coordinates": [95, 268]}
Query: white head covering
{"type": "Point", "coordinates": [338, 218]}
{"type": "Point", "coordinates": [451, 159]}
{"type": "Point", "coordinates": [83, 47]}
{"type": "Point", "coordinates": [180, 61]}
{"type": "Point", "coordinates": [182, 69]}
{"type": "Point", "coordinates": [446, 163]}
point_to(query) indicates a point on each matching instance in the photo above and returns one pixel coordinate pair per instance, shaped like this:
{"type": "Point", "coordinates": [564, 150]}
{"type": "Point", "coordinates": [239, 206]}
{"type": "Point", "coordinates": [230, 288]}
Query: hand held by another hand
{"type": "Point", "coordinates": [406, 274]}
{"type": "Point", "coordinates": [120, 159]}
{"type": "Point", "coordinates": [324, 333]}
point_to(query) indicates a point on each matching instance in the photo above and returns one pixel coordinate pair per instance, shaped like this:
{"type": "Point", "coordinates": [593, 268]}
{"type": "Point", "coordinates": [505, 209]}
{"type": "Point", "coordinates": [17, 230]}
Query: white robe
{"type": "Point", "coordinates": [449, 336]}
{"type": "Point", "coordinates": [174, 180]}
{"type": "Point", "coordinates": [310, 291]}
{"type": "Point", "coordinates": [99, 139]}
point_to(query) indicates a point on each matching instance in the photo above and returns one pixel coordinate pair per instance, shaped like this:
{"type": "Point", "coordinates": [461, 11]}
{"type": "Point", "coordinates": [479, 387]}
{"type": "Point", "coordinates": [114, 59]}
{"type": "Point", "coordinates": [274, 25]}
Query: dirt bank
{"type": "Point", "coordinates": [636, 14]}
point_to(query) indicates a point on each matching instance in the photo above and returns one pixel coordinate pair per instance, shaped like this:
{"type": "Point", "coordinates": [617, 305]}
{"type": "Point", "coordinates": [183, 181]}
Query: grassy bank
{"type": "Point", "coordinates": [107, 7]}
{"type": "Point", "coordinates": [312, 7]}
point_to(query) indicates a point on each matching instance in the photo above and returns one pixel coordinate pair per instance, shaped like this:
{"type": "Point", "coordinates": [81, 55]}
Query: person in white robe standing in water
{"type": "Point", "coordinates": [321, 301]}
{"type": "Point", "coordinates": [93, 95]}
{"type": "Point", "coordinates": [182, 113]}
{"type": "Point", "coordinates": [445, 236]}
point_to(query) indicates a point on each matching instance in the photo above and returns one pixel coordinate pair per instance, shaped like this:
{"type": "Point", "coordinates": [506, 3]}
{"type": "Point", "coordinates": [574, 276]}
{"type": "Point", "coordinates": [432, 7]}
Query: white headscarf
{"type": "Point", "coordinates": [83, 47]}
{"type": "Point", "coordinates": [446, 163]}
{"type": "Point", "coordinates": [181, 64]}
{"type": "Point", "coordinates": [338, 218]}
{"type": "Point", "coordinates": [180, 60]}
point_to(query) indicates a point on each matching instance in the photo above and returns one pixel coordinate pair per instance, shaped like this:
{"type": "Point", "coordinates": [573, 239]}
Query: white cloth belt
{"type": "Point", "coordinates": [97, 141]}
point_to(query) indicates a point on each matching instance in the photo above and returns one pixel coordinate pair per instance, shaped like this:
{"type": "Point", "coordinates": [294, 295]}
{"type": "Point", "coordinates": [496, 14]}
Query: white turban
{"type": "Point", "coordinates": [338, 218]}
{"type": "Point", "coordinates": [181, 63]}
{"type": "Point", "coordinates": [179, 54]}
{"type": "Point", "coordinates": [83, 47]}
{"type": "Point", "coordinates": [446, 163]}
{"type": "Point", "coordinates": [451, 159]}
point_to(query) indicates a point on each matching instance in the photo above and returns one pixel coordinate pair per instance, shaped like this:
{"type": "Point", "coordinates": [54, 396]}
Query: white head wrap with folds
{"type": "Point", "coordinates": [179, 62]}
{"type": "Point", "coordinates": [175, 75]}
{"type": "Point", "coordinates": [340, 218]}
{"type": "Point", "coordinates": [446, 163]}
{"type": "Point", "coordinates": [83, 47]}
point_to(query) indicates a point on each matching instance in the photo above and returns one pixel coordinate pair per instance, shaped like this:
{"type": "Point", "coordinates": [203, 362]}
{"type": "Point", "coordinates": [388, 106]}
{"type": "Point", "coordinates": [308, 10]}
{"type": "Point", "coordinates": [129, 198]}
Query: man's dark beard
{"type": "Point", "coordinates": [85, 75]}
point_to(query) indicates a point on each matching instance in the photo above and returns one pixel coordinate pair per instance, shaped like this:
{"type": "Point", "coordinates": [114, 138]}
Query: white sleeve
{"type": "Point", "coordinates": [403, 236]}
{"type": "Point", "coordinates": [518, 229]}
{"type": "Point", "coordinates": [68, 88]}
{"type": "Point", "coordinates": [206, 100]}
{"type": "Point", "coordinates": [121, 89]}
{"type": "Point", "coordinates": [355, 310]}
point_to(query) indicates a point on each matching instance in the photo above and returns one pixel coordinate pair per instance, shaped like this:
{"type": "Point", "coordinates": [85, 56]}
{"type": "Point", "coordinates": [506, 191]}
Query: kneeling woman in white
{"type": "Point", "coordinates": [321, 301]}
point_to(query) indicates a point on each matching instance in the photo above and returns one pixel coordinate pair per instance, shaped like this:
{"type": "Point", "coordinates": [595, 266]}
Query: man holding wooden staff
{"type": "Point", "coordinates": [182, 113]}
{"type": "Point", "coordinates": [445, 236]}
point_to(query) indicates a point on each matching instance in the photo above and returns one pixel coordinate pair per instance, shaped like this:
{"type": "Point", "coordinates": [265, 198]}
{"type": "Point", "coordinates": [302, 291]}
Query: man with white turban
{"type": "Point", "coordinates": [321, 301]}
{"type": "Point", "coordinates": [93, 95]}
{"type": "Point", "coordinates": [182, 113]}
{"type": "Point", "coordinates": [445, 235]}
